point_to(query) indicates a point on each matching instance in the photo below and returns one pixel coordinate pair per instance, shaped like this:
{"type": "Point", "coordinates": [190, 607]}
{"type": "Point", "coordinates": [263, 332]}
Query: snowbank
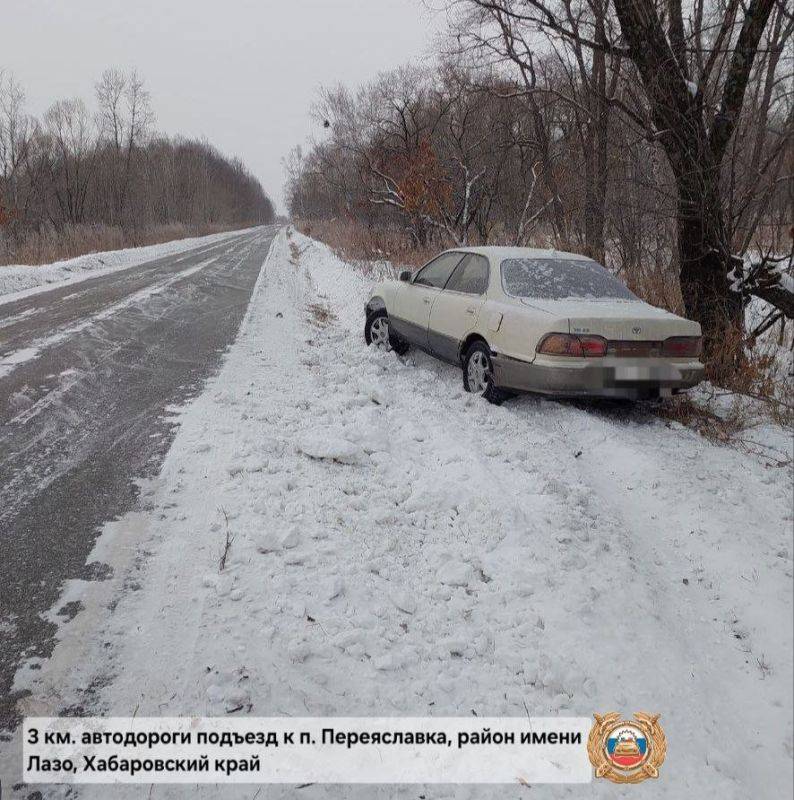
{"type": "Point", "coordinates": [20, 280]}
{"type": "Point", "coordinates": [400, 547]}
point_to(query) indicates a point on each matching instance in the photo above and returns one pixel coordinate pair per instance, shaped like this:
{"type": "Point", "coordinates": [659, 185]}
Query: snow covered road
{"type": "Point", "coordinates": [87, 373]}
{"type": "Point", "coordinates": [400, 547]}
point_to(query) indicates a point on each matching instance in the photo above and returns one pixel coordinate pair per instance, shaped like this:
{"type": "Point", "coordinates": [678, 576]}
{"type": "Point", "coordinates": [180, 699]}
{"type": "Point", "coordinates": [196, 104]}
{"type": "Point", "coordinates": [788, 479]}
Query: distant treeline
{"type": "Point", "coordinates": [81, 175]}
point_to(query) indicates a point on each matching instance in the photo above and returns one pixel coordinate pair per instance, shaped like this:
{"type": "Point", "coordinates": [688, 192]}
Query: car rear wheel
{"type": "Point", "coordinates": [377, 332]}
{"type": "Point", "coordinates": [478, 374]}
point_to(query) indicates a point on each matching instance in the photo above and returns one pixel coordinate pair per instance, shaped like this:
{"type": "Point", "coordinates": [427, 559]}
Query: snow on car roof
{"type": "Point", "coordinates": [498, 253]}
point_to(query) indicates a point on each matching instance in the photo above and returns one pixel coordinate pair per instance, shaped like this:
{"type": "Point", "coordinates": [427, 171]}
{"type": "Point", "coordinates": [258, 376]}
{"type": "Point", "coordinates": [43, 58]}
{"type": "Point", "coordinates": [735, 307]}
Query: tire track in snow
{"type": "Point", "coordinates": [12, 360]}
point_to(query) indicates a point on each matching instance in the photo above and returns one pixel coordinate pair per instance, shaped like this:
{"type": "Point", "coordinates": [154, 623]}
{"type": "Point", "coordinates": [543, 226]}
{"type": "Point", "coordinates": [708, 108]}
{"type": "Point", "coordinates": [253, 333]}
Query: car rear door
{"type": "Point", "coordinates": [456, 308]}
{"type": "Point", "coordinates": [411, 314]}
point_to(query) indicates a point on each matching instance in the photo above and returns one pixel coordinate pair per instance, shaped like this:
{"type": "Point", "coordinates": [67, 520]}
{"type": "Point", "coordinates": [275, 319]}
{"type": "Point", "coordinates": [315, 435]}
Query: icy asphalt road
{"type": "Point", "coordinates": [87, 376]}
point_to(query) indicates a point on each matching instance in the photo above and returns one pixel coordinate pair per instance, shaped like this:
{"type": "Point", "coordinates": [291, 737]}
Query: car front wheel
{"type": "Point", "coordinates": [376, 332]}
{"type": "Point", "coordinates": [478, 374]}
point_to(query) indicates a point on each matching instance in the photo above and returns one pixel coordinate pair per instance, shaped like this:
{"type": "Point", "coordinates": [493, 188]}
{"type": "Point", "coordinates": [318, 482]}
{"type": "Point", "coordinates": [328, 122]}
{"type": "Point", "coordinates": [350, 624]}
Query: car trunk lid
{"type": "Point", "coordinates": [626, 323]}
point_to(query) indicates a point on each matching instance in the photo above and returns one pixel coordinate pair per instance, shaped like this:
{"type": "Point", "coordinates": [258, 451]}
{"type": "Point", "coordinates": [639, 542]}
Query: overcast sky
{"type": "Point", "coordinates": [243, 73]}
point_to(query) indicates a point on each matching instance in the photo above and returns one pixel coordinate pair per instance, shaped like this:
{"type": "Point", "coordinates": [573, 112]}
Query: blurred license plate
{"type": "Point", "coordinates": [659, 373]}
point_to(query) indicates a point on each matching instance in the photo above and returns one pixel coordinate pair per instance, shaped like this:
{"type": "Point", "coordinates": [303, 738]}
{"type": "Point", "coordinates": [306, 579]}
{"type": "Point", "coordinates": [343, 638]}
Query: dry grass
{"type": "Point", "coordinates": [227, 543]}
{"type": "Point", "coordinates": [732, 423]}
{"type": "Point", "coordinates": [295, 253]}
{"type": "Point", "coordinates": [48, 245]}
{"type": "Point", "coordinates": [352, 241]}
{"type": "Point", "coordinates": [658, 286]}
{"type": "Point", "coordinates": [762, 372]}
{"type": "Point", "coordinates": [702, 418]}
{"type": "Point", "coordinates": [321, 313]}
{"type": "Point", "coordinates": [756, 393]}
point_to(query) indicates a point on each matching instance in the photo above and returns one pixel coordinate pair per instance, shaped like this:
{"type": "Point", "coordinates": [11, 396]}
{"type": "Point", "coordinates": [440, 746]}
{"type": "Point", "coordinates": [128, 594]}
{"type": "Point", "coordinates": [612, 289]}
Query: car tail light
{"type": "Point", "coordinates": [682, 346]}
{"type": "Point", "coordinates": [566, 344]}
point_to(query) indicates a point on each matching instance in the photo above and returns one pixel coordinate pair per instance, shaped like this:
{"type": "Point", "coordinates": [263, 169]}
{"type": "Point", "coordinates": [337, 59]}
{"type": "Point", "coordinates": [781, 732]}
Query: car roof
{"type": "Point", "coordinates": [500, 253]}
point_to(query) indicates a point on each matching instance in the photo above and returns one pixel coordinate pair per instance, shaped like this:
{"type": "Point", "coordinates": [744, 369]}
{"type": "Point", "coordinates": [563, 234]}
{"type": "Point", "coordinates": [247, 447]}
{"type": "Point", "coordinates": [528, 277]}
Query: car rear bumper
{"type": "Point", "coordinates": [618, 378]}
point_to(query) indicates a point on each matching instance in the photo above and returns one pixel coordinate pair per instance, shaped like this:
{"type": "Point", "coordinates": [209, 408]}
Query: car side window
{"type": "Point", "coordinates": [470, 276]}
{"type": "Point", "coordinates": [437, 272]}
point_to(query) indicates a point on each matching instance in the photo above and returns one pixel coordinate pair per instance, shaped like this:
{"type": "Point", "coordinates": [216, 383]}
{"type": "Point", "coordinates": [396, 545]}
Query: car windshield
{"type": "Point", "coordinates": [560, 278]}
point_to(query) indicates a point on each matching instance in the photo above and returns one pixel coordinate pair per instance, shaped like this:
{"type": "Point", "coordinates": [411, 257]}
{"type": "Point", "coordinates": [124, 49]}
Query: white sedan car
{"type": "Point", "coordinates": [525, 320]}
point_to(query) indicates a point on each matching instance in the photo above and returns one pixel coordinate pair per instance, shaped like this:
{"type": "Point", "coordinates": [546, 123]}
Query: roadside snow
{"type": "Point", "coordinates": [400, 547]}
{"type": "Point", "coordinates": [20, 280]}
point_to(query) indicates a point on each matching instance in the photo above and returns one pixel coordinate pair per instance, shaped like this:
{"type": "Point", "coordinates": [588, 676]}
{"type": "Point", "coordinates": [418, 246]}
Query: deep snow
{"type": "Point", "coordinates": [400, 547]}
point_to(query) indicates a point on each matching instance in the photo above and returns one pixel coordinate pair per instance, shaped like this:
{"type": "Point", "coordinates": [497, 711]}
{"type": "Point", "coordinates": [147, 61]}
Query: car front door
{"type": "Point", "coordinates": [411, 314]}
{"type": "Point", "coordinates": [456, 308]}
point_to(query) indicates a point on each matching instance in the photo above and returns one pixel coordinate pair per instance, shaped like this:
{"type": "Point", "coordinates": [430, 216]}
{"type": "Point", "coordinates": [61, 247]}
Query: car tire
{"type": "Point", "coordinates": [374, 333]}
{"type": "Point", "coordinates": [478, 374]}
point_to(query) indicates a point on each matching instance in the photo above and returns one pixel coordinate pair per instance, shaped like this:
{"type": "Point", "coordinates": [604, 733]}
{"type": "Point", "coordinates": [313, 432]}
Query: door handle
{"type": "Point", "coordinates": [426, 300]}
{"type": "Point", "coordinates": [471, 310]}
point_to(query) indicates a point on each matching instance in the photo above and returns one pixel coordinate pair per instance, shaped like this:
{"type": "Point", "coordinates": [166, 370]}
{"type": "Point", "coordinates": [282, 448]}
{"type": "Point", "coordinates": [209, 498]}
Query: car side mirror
{"type": "Point", "coordinates": [405, 275]}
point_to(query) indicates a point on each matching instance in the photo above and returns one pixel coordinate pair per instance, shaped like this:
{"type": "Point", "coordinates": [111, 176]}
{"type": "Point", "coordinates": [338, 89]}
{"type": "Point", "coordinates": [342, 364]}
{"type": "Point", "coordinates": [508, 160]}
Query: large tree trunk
{"type": "Point", "coordinates": [695, 143]}
{"type": "Point", "coordinates": [548, 173]}
{"type": "Point", "coordinates": [594, 199]}
{"type": "Point", "coordinates": [596, 169]}
{"type": "Point", "coordinates": [704, 260]}
{"type": "Point", "coordinates": [598, 146]}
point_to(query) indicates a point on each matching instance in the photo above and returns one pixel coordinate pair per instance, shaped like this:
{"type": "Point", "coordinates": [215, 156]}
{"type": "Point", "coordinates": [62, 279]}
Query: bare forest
{"type": "Point", "coordinates": [653, 136]}
{"type": "Point", "coordinates": [97, 177]}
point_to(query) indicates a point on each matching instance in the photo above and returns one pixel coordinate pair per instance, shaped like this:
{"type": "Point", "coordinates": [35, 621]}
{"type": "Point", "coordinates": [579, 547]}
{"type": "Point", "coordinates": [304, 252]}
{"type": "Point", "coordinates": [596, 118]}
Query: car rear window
{"type": "Point", "coordinates": [560, 278]}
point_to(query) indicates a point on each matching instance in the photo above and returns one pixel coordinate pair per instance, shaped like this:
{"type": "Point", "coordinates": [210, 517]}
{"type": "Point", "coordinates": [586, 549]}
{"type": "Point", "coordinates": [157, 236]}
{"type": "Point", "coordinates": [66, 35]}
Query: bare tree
{"type": "Point", "coordinates": [17, 131]}
{"type": "Point", "coordinates": [124, 115]}
{"type": "Point", "coordinates": [583, 78]}
{"type": "Point", "coordinates": [694, 77]}
{"type": "Point", "coordinates": [678, 73]}
{"type": "Point", "coordinates": [71, 132]}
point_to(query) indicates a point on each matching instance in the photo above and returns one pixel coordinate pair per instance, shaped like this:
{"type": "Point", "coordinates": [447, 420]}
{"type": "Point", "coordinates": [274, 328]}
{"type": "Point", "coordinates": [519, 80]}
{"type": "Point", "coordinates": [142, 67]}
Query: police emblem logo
{"type": "Point", "coordinates": [626, 751]}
